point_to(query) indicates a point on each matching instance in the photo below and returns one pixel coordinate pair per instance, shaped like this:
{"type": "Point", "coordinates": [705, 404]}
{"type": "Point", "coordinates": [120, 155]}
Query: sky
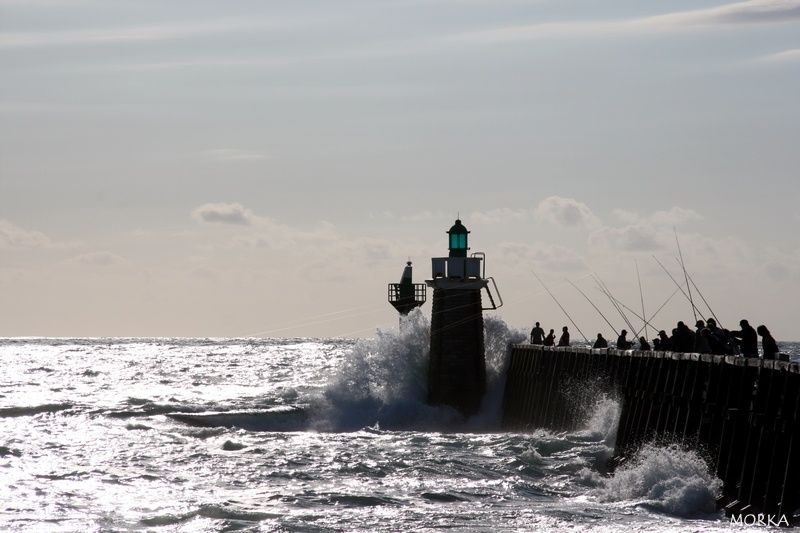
{"type": "Point", "coordinates": [259, 168]}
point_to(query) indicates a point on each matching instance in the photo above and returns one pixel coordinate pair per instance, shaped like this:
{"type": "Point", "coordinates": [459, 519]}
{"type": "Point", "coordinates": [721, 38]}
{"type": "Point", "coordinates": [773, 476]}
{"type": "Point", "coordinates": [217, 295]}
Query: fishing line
{"type": "Point", "coordinates": [675, 282]}
{"type": "Point", "coordinates": [647, 323]}
{"type": "Point", "coordinates": [595, 307]}
{"type": "Point", "coordinates": [562, 308]}
{"type": "Point", "coordinates": [660, 308]}
{"type": "Point", "coordinates": [614, 302]}
{"type": "Point", "coordinates": [705, 302]}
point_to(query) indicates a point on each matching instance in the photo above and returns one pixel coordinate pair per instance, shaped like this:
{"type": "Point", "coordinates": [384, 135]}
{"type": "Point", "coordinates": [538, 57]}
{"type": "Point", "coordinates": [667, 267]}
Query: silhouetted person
{"type": "Point", "coordinates": [723, 338]}
{"type": "Point", "coordinates": [622, 342]}
{"type": "Point", "coordinates": [601, 342]}
{"type": "Point", "coordinates": [550, 340]}
{"type": "Point", "coordinates": [768, 344]}
{"type": "Point", "coordinates": [715, 345]}
{"type": "Point", "coordinates": [749, 339]}
{"type": "Point", "coordinates": [665, 343]}
{"type": "Point", "coordinates": [564, 339]}
{"type": "Point", "coordinates": [700, 342]}
{"type": "Point", "coordinates": [657, 345]}
{"type": "Point", "coordinates": [683, 339]}
{"type": "Point", "coordinates": [537, 334]}
{"type": "Point", "coordinates": [644, 345]}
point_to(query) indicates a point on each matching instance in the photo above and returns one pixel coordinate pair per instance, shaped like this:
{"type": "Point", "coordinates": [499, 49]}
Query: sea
{"type": "Point", "coordinates": [310, 435]}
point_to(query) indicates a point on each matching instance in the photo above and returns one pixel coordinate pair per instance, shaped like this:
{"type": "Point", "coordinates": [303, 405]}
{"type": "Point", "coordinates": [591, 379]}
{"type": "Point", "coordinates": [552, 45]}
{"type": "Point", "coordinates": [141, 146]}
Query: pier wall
{"type": "Point", "coordinates": [741, 414]}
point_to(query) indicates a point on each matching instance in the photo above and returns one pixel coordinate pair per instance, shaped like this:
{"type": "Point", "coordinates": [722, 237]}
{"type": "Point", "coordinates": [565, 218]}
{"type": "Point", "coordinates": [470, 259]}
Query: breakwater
{"type": "Point", "coordinates": [742, 414]}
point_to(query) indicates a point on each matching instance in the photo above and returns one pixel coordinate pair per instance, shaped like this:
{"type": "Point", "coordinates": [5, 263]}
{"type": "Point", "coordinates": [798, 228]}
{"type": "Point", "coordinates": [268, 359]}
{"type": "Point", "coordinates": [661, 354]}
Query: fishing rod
{"type": "Point", "coordinates": [614, 302]}
{"type": "Point", "coordinates": [685, 275]}
{"type": "Point", "coordinates": [705, 302]}
{"type": "Point", "coordinates": [641, 297]}
{"type": "Point", "coordinates": [660, 308]}
{"type": "Point", "coordinates": [598, 310]}
{"type": "Point", "coordinates": [647, 323]}
{"type": "Point", "coordinates": [677, 284]}
{"type": "Point", "coordinates": [562, 307]}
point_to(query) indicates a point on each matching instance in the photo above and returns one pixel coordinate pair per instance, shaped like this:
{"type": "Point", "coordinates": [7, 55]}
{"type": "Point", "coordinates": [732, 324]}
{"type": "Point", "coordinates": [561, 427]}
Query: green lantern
{"type": "Point", "coordinates": [458, 240]}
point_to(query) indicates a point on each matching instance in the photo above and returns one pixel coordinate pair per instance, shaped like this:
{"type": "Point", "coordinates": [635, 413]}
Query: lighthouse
{"type": "Point", "coordinates": [457, 367]}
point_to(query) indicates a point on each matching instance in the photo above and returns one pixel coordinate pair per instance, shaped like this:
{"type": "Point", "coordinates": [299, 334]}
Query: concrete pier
{"type": "Point", "coordinates": [742, 414]}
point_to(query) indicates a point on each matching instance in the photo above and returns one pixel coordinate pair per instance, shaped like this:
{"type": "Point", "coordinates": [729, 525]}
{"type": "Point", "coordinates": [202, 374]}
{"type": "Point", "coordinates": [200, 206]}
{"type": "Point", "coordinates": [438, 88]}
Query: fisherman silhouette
{"type": "Point", "coordinates": [657, 344]}
{"type": "Point", "coordinates": [700, 341]}
{"type": "Point", "coordinates": [644, 345]}
{"type": "Point", "coordinates": [537, 334]}
{"type": "Point", "coordinates": [683, 339]}
{"type": "Point", "coordinates": [564, 340]}
{"type": "Point", "coordinates": [550, 340]}
{"type": "Point", "coordinates": [601, 342]}
{"type": "Point", "coordinates": [724, 344]}
{"type": "Point", "coordinates": [749, 339]}
{"type": "Point", "coordinates": [665, 343]}
{"type": "Point", "coordinates": [715, 345]}
{"type": "Point", "coordinates": [768, 344]}
{"type": "Point", "coordinates": [622, 342]}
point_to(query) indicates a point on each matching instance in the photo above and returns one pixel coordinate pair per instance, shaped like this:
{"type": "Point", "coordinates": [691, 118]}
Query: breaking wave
{"type": "Point", "coordinates": [669, 479]}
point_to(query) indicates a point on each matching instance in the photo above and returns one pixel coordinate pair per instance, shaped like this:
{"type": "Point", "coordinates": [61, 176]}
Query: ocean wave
{"type": "Point", "coordinates": [284, 418]}
{"type": "Point", "coordinates": [669, 479]}
{"type": "Point", "coordinates": [32, 410]}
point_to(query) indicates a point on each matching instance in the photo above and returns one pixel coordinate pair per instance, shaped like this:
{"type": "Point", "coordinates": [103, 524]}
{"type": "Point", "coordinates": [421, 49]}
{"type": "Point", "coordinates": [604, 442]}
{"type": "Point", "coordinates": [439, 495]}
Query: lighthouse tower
{"type": "Point", "coordinates": [457, 368]}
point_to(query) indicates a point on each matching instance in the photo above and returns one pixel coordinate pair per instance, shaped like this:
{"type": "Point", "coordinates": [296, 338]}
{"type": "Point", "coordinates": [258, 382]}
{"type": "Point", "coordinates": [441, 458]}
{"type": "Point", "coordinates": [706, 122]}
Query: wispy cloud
{"type": "Point", "coordinates": [785, 56]}
{"type": "Point", "coordinates": [99, 259]}
{"type": "Point", "coordinates": [741, 13]}
{"type": "Point", "coordinates": [750, 12]}
{"type": "Point", "coordinates": [13, 236]}
{"type": "Point", "coordinates": [235, 214]}
{"type": "Point", "coordinates": [112, 35]}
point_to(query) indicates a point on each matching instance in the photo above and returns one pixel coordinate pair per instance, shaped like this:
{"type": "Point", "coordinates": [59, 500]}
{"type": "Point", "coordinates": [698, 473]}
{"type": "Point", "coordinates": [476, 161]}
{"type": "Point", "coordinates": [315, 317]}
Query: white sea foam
{"type": "Point", "coordinates": [385, 380]}
{"type": "Point", "coordinates": [669, 479]}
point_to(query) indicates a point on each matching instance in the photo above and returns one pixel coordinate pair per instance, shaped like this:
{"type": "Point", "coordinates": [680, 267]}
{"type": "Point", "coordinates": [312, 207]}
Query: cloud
{"type": "Point", "coordinates": [139, 33]}
{"type": "Point", "coordinates": [565, 213]}
{"type": "Point", "coordinates": [633, 238]}
{"type": "Point", "coordinates": [750, 12]}
{"type": "Point", "coordinates": [553, 258]}
{"type": "Point", "coordinates": [499, 215]}
{"type": "Point", "coordinates": [12, 236]}
{"type": "Point", "coordinates": [234, 214]}
{"type": "Point", "coordinates": [642, 233]}
{"type": "Point", "coordinates": [740, 13]}
{"type": "Point", "coordinates": [98, 259]}
{"type": "Point", "coordinates": [785, 56]}
{"type": "Point", "coordinates": [674, 217]}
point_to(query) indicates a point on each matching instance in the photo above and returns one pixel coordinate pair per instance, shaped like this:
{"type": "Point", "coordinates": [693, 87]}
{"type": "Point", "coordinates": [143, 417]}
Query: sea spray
{"type": "Point", "coordinates": [499, 339]}
{"type": "Point", "coordinates": [384, 380]}
{"type": "Point", "coordinates": [669, 479]}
